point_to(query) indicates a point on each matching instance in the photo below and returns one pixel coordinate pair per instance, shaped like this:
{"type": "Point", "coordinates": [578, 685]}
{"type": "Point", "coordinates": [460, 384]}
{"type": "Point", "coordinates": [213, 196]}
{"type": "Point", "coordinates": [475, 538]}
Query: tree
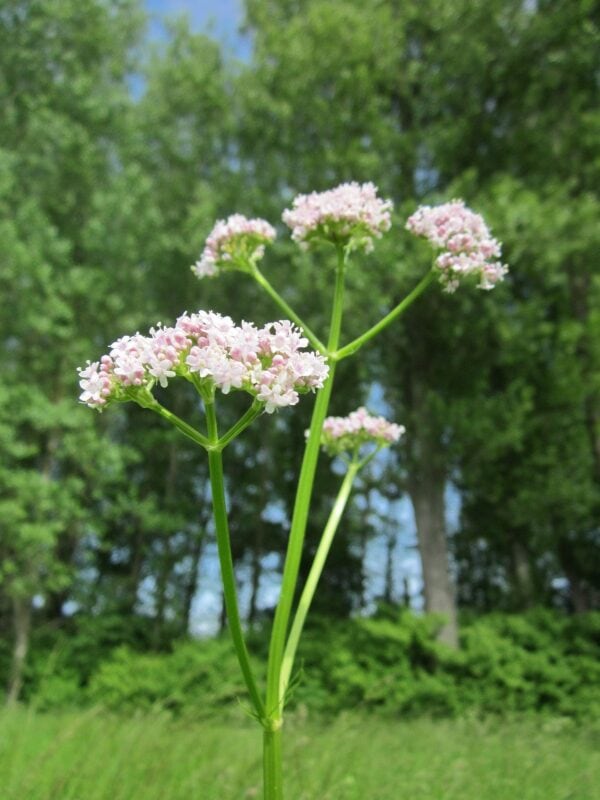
{"type": "Point", "coordinates": [531, 493]}
{"type": "Point", "coordinates": [431, 99]}
{"type": "Point", "coordinates": [64, 67]}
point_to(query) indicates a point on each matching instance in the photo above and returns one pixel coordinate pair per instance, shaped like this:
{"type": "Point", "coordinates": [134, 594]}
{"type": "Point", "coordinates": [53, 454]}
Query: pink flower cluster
{"type": "Point", "coordinates": [233, 242]}
{"type": "Point", "coordinates": [357, 429]}
{"type": "Point", "coordinates": [269, 363]}
{"type": "Point", "coordinates": [351, 214]}
{"type": "Point", "coordinates": [467, 245]}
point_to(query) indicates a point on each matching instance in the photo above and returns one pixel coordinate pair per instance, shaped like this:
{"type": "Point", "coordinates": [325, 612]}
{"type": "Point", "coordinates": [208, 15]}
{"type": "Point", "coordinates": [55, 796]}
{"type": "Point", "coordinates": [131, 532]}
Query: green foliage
{"type": "Point", "coordinates": [67, 658]}
{"type": "Point", "coordinates": [527, 449]}
{"type": "Point", "coordinates": [390, 664]}
{"type": "Point", "coordinates": [194, 678]}
{"type": "Point", "coordinates": [506, 664]}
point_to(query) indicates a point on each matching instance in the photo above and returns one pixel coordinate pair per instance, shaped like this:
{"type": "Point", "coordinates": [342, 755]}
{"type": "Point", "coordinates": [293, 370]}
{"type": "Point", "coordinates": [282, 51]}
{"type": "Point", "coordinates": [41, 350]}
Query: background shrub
{"type": "Point", "coordinates": [541, 661]}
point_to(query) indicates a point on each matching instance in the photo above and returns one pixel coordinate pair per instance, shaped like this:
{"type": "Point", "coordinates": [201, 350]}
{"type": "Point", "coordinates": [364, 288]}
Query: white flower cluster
{"type": "Point", "coordinates": [269, 363]}
{"type": "Point", "coordinates": [349, 215]}
{"type": "Point", "coordinates": [467, 245]}
{"type": "Point", "coordinates": [358, 428]}
{"type": "Point", "coordinates": [233, 242]}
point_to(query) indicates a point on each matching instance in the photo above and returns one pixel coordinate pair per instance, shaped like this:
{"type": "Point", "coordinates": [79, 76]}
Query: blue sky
{"type": "Point", "coordinates": [220, 18]}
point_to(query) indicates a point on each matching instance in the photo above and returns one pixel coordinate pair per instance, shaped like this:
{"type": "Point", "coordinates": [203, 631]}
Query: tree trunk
{"type": "Point", "coordinates": [135, 570]}
{"type": "Point", "coordinates": [581, 594]}
{"type": "Point", "coordinates": [427, 496]}
{"type": "Point", "coordinates": [66, 543]}
{"type": "Point", "coordinates": [160, 596]}
{"type": "Point", "coordinates": [427, 475]}
{"type": "Point", "coordinates": [388, 587]}
{"type": "Point", "coordinates": [363, 561]}
{"type": "Point", "coordinates": [580, 285]}
{"type": "Point", "coordinates": [191, 585]}
{"type": "Point", "coordinates": [223, 615]}
{"type": "Point", "coordinates": [405, 593]}
{"type": "Point", "coordinates": [22, 627]}
{"type": "Point", "coordinates": [256, 572]}
{"type": "Point", "coordinates": [578, 593]}
{"type": "Point", "coordinates": [522, 576]}
{"type": "Point", "coordinates": [166, 561]}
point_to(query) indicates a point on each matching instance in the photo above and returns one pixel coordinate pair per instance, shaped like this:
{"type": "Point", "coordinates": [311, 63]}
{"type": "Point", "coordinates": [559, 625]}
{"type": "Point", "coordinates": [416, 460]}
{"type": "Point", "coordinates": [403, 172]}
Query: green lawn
{"type": "Point", "coordinates": [92, 756]}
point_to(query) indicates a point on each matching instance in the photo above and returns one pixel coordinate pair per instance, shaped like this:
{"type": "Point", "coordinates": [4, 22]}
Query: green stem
{"type": "Point", "coordinates": [186, 429]}
{"type": "Point", "coordinates": [215, 463]}
{"type": "Point", "coordinates": [314, 575]}
{"type": "Point", "coordinates": [368, 458]}
{"type": "Point", "coordinates": [251, 414]}
{"type": "Point", "coordinates": [287, 309]}
{"type": "Point", "coordinates": [274, 707]}
{"type": "Point", "coordinates": [272, 764]}
{"type": "Point", "coordinates": [351, 348]}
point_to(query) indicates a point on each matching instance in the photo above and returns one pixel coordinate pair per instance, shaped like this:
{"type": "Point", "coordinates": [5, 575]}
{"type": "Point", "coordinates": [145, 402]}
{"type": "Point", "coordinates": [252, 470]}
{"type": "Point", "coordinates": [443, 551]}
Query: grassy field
{"type": "Point", "coordinates": [92, 756]}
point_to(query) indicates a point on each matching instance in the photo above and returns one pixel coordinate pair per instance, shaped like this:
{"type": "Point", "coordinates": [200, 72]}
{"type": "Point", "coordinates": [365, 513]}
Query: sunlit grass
{"type": "Point", "coordinates": [93, 756]}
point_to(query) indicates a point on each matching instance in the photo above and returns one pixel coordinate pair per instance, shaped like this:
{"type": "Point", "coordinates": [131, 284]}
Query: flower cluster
{"type": "Point", "coordinates": [234, 242]}
{"type": "Point", "coordinates": [358, 428]}
{"type": "Point", "coordinates": [213, 352]}
{"type": "Point", "coordinates": [467, 245]}
{"type": "Point", "coordinates": [350, 215]}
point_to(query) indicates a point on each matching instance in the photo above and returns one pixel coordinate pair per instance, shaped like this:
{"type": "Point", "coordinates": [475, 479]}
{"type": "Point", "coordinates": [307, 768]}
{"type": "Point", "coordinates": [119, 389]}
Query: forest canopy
{"type": "Point", "coordinates": [116, 159]}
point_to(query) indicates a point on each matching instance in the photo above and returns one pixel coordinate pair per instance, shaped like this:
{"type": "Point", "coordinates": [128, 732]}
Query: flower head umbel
{"type": "Point", "coordinates": [269, 363]}
{"type": "Point", "coordinates": [350, 215]}
{"type": "Point", "coordinates": [233, 243]}
{"type": "Point", "coordinates": [349, 433]}
{"type": "Point", "coordinates": [466, 244]}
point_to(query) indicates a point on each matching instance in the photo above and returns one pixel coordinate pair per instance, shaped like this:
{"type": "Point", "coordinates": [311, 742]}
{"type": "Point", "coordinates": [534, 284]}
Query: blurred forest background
{"type": "Point", "coordinates": [116, 158]}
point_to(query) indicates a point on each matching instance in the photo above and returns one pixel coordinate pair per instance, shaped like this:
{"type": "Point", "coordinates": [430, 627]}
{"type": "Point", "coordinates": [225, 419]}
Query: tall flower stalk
{"type": "Point", "coordinates": [273, 365]}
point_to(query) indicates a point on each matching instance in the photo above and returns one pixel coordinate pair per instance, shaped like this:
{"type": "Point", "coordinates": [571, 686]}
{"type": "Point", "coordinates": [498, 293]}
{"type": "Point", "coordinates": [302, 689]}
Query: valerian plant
{"type": "Point", "coordinates": [274, 367]}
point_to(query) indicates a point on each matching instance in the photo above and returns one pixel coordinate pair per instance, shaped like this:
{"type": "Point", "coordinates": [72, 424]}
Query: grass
{"type": "Point", "coordinates": [93, 756]}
